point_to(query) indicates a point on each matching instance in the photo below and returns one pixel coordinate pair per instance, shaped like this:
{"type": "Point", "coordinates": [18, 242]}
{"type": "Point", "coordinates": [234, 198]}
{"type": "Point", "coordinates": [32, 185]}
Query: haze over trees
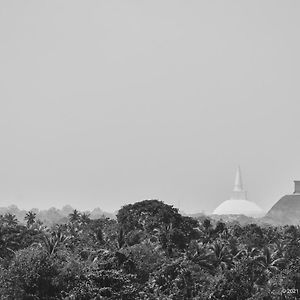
{"type": "Point", "coordinates": [150, 251]}
{"type": "Point", "coordinates": [52, 215]}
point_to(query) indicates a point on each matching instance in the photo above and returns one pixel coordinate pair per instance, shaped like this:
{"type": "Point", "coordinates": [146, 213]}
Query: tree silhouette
{"type": "Point", "coordinates": [10, 220]}
{"type": "Point", "coordinates": [30, 218]}
{"type": "Point", "coordinates": [74, 216]}
{"type": "Point", "coordinates": [85, 218]}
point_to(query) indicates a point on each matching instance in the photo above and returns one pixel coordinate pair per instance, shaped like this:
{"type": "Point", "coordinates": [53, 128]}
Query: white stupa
{"type": "Point", "coordinates": [238, 203]}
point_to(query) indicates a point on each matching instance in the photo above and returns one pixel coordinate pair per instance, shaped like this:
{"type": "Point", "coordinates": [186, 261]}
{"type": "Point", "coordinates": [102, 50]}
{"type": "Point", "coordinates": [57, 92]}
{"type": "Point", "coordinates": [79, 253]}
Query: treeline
{"type": "Point", "coordinates": [149, 252]}
{"type": "Point", "coordinates": [52, 215]}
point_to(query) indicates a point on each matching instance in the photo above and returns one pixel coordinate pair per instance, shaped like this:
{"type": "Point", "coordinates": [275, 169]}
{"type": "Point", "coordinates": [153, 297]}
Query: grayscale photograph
{"type": "Point", "coordinates": [149, 150]}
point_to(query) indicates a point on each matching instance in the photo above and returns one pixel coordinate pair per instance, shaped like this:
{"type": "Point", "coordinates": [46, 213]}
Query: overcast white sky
{"type": "Point", "coordinates": [104, 103]}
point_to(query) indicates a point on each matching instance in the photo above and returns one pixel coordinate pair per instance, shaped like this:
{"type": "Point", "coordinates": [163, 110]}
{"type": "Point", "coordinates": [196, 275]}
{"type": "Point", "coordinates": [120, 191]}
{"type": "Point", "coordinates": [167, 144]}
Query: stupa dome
{"type": "Point", "coordinates": [238, 203]}
{"type": "Point", "coordinates": [287, 209]}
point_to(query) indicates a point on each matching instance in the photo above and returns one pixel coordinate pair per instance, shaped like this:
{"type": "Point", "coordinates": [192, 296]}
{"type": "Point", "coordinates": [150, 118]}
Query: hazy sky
{"type": "Point", "coordinates": [104, 103]}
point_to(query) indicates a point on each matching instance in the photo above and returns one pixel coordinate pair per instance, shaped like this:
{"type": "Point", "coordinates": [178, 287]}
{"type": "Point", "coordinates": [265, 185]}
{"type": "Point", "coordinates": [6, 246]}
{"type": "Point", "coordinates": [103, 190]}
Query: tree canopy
{"type": "Point", "coordinates": [150, 252]}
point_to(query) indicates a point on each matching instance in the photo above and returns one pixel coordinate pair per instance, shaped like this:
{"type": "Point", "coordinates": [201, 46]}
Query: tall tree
{"type": "Point", "coordinates": [74, 216]}
{"type": "Point", "coordinates": [30, 218]}
{"type": "Point", "coordinates": [10, 220]}
{"type": "Point", "coordinates": [85, 218]}
{"type": "Point", "coordinates": [155, 218]}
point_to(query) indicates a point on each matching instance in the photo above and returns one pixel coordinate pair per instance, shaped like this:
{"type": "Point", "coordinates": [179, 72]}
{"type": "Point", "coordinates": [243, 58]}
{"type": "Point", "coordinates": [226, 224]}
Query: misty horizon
{"type": "Point", "coordinates": [86, 208]}
{"type": "Point", "coordinates": [103, 104]}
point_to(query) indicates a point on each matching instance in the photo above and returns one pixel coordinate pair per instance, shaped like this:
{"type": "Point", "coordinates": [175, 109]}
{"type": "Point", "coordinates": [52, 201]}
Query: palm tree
{"type": "Point", "coordinates": [200, 255]}
{"type": "Point", "coordinates": [249, 253]}
{"type": "Point", "coordinates": [222, 256]}
{"type": "Point", "coordinates": [10, 220]}
{"type": "Point", "coordinates": [74, 216]}
{"type": "Point", "coordinates": [53, 241]}
{"type": "Point", "coordinates": [85, 218]}
{"type": "Point", "coordinates": [30, 218]}
{"type": "Point", "coordinates": [280, 248]}
{"type": "Point", "coordinates": [269, 261]}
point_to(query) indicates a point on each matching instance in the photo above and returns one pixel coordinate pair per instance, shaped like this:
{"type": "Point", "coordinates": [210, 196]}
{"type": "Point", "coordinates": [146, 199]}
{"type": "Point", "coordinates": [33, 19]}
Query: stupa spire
{"type": "Point", "coordinates": [238, 192]}
{"type": "Point", "coordinates": [238, 183]}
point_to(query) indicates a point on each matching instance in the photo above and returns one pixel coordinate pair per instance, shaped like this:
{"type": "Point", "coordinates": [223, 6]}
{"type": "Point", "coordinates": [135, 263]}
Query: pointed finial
{"type": "Point", "coordinates": [238, 183]}
{"type": "Point", "coordinates": [238, 192]}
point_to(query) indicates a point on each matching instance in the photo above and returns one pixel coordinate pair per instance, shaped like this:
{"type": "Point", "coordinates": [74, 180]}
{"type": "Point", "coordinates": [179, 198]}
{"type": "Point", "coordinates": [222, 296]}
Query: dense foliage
{"type": "Point", "coordinates": [150, 252]}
